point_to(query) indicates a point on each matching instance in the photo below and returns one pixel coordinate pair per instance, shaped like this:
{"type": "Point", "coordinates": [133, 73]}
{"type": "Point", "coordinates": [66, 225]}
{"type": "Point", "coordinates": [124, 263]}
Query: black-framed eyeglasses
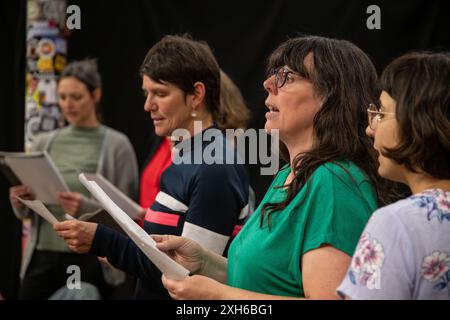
{"type": "Point", "coordinates": [281, 75]}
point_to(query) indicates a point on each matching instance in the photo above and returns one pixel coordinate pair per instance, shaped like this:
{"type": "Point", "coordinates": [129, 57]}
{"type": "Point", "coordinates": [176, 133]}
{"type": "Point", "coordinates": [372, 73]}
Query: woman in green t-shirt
{"type": "Point", "coordinates": [300, 240]}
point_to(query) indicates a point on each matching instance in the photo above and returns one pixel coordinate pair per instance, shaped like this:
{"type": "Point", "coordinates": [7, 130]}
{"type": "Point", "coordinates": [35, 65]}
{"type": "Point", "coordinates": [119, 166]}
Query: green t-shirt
{"type": "Point", "coordinates": [334, 211]}
{"type": "Point", "coordinates": [73, 150]}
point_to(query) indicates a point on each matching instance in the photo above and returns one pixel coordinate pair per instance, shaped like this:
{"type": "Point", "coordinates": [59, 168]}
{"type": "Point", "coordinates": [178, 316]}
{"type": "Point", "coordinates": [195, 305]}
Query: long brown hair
{"type": "Point", "coordinates": [346, 80]}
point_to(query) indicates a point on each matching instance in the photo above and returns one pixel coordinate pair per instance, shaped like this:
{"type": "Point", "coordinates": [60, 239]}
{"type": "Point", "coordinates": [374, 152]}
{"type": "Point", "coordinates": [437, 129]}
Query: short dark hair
{"type": "Point", "coordinates": [85, 71]}
{"type": "Point", "coordinates": [182, 61]}
{"type": "Point", "coordinates": [419, 82]}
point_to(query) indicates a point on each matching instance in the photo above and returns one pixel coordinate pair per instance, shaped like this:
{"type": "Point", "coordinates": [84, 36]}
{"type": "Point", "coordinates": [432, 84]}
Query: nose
{"type": "Point", "coordinates": [269, 85]}
{"type": "Point", "coordinates": [370, 132]}
{"type": "Point", "coordinates": [149, 105]}
{"type": "Point", "coordinates": [65, 103]}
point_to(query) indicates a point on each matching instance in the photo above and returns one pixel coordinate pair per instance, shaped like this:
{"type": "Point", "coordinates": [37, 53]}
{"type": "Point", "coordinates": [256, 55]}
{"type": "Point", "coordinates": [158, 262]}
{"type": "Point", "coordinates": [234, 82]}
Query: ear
{"type": "Point", "coordinates": [198, 96]}
{"type": "Point", "coordinates": [97, 95]}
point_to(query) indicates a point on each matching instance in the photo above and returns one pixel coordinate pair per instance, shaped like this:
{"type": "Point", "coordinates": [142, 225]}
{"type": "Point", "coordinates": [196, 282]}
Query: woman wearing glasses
{"type": "Point", "coordinates": [404, 252]}
{"type": "Point", "coordinates": [299, 241]}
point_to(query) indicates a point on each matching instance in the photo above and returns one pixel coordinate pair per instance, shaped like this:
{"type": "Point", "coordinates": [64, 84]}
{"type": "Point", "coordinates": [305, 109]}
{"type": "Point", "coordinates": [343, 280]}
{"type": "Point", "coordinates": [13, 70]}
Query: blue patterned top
{"type": "Point", "coordinates": [404, 251]}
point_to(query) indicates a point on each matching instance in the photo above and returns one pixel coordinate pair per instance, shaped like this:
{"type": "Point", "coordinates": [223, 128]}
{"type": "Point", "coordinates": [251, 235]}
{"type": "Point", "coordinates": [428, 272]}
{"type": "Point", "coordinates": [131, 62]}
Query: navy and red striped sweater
{"type": "Point", "coordinates": [205, 202]}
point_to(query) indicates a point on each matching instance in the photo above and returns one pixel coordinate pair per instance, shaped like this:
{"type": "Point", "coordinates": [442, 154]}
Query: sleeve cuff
{"type": "Point", "coordinates": [103, 240]}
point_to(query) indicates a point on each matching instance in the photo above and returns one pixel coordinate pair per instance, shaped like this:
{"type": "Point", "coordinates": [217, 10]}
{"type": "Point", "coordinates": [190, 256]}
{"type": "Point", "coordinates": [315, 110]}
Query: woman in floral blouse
{"type": "Point", "coordinates": [404, 251]}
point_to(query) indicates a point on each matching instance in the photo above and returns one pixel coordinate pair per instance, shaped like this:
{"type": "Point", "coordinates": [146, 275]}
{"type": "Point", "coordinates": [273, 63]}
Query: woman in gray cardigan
{"type": "Point", "coordinates": [84, 145]}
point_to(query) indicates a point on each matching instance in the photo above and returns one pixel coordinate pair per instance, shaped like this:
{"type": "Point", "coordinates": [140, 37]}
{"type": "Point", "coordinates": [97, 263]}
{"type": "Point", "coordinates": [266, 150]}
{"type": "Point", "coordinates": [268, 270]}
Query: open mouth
{"type": "Point", "coordinates": [273, 109]}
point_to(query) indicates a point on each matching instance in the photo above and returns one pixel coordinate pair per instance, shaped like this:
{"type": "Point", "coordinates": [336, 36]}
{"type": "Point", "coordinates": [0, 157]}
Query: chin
{"type": "Point", "coordinates": [71, 120]}
{"type": "Point", "coordinates": [162, 132]}
{"type": "Point", "coordinates": [268, 128]}
{"type": "Point", "coordinates": [383, 169]}
{"type": "Point", "coordinates": [382, 172]}
{"type": "Point", "coordinates": [389, 172]}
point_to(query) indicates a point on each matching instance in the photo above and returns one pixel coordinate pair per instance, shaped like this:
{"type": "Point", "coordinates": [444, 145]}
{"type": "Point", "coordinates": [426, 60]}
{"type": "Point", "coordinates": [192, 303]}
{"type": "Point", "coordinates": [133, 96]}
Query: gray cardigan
{"type": "Point", "coordinates": [117, 163]}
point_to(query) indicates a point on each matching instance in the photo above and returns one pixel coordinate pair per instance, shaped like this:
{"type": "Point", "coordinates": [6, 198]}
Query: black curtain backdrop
{"type": "Point", "coordinates": [12, 93]}
{"type": "Point", "coordinates": [241, 33]}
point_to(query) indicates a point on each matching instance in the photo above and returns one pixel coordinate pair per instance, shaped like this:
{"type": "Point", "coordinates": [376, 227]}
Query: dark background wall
{"type": "Point", "coordinates": [241, 33]}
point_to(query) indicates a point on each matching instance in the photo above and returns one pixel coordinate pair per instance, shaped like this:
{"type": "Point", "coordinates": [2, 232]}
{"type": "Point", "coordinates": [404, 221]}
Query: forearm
{"type": "Point", "coordinates": [231, 293]}
{"type": "Point", "coordinates": [214, 266]}
{"type": "Point", "coordinates": [123, 253]}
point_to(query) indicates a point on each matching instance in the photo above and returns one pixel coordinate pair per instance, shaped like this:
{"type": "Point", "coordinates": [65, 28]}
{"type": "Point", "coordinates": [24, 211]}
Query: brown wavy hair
{"type": "Point", "coordinates": [346, 80]}
{"type": "Point", "coordinates": [234, 113]}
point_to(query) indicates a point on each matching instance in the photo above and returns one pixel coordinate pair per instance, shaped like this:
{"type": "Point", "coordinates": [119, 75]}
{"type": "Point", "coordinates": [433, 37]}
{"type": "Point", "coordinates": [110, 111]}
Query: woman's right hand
{"type": "Point", "coordinates": [186, 252]}
{"type": "Point", "coordinates": [23, 192]}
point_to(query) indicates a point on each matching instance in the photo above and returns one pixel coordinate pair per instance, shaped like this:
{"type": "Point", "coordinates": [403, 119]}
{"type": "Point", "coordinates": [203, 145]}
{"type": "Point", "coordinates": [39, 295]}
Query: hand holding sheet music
{"type": "Point", "coordinates": [165, 264]}
{"type": "Point", "coordinates": [38, 207]}
{"type": "Point", "coordinates": [98, 216]}
{"type": "Point", "coordinates": [35, 170]}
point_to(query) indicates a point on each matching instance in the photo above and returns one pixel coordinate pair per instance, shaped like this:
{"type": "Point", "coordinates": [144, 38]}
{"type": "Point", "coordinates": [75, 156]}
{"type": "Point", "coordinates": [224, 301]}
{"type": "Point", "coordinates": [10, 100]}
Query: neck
{"type": "Point", "coordinates": [296, 146]}
{"type": "Point", "coordinates": [206, 121]}
{"type": "Point", "coordinates": [91, 122]}
{"type": "Point", "coordinates": [418, 182]}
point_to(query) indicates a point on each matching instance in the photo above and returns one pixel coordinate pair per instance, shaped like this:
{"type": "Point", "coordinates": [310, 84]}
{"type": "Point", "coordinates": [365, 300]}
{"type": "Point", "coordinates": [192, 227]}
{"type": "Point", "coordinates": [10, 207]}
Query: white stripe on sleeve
{"type": "Point", "coordinates": [211, 240]}
{"type": "Point", "coordinates": [170, 202]}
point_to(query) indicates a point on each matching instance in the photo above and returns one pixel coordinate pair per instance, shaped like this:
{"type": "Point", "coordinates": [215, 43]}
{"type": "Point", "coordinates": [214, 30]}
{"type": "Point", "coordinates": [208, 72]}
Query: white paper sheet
{"type": "Point", "coordinates": [165, 264]}
{"type": "Point", "coordinates": [37, 171]}
{"type": "Point", "coordinates": [131, 208]}
{"type": "Point", "coordinates": [38, 207]}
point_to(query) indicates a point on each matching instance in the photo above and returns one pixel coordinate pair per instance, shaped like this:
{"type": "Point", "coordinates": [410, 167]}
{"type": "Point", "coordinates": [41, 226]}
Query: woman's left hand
{"type": "Point", "coordinates": [195, 287]}
{"type": "Point", "coordinates": [71, 202]}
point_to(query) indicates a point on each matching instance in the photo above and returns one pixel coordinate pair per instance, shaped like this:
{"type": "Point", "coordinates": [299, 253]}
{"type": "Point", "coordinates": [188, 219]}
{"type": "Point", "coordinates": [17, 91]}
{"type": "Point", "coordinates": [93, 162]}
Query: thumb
{"type": "Point", "coordinates": [62, 195]}
{"type": "Point", "coordinates": [160, 237]}
{"type": "Point", "coordinates": [68, 195]}
{"type": "Point", "coordinates": [168, 242]}
{"type": "Point", "coordinates": [62, 225]}
{"type": "Point", "coordinates": [58, 226]}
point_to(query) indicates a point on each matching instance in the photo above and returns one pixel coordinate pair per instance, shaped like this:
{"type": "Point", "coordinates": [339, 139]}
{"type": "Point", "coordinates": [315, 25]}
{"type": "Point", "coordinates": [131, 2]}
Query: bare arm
{"type": "Point", "coordinates": [193, 256]}
{"type": "Point", "coordinates": [323, 270]}
{"type": "Point", "coordinates": [214, 266]}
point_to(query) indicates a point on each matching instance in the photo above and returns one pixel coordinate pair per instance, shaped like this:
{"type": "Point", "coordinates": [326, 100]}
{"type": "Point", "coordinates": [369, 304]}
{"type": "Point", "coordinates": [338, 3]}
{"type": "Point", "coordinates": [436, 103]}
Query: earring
{"type": "Point", "coordinates": [193, 114]}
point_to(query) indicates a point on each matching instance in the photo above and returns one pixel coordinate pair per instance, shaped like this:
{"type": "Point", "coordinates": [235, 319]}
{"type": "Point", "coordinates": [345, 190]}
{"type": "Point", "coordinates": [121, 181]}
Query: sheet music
{"type": "Point", "coordinates": [38, 207]}
{"type": "Point", "coordinates": [130, 207]}
{"type": "Point", "coordinates": [97, 216]}
{"type": "Point", "coordinates": [37, 171]}
{"type": "Point", "coordinates": [165, 264]}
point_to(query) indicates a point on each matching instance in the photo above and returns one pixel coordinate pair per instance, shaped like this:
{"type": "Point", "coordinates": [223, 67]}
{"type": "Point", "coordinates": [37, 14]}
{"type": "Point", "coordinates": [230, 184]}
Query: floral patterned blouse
{"type": "Point", "coordinates": [404, 251]}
